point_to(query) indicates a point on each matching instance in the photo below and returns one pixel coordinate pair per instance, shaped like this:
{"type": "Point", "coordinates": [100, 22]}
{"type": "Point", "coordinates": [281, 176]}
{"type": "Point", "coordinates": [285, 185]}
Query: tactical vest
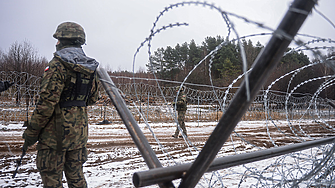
{"type": "Point", "coordinates": [77, 89]}
{"type": "Point", "coordinates": [183, 105]}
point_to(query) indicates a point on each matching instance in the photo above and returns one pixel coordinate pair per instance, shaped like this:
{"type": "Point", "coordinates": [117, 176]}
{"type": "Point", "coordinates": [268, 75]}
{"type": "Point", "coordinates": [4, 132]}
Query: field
{"type": "Point", "coordinates": [113, 157]}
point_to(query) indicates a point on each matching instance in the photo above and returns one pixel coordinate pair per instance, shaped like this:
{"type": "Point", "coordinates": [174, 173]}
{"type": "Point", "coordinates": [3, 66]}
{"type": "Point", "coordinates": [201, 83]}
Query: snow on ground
{"type": "Point", "coordinates": [113, 158]}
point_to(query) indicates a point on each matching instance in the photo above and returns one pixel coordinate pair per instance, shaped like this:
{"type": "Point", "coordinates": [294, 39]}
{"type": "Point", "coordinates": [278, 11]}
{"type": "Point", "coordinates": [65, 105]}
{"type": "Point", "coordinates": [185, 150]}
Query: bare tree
{"type": "Point", "coordinates": [22, 57]}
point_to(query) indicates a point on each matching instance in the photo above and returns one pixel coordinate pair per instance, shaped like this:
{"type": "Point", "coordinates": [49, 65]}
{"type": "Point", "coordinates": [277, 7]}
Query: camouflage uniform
{"type": "Point", "coordinates": [181, 107]}
{"type": "Point", "coordinates": [59, 122]}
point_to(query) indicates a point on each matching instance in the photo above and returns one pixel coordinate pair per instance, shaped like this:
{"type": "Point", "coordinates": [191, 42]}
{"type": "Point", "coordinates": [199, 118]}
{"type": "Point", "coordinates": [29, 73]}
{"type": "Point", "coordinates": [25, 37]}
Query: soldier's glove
{"type": "Point", "coordinates": [29, 140]}
{"type": "Point", "coordinates": [7, 84]}
{"type": "Point", "coordinates": [25, 124]}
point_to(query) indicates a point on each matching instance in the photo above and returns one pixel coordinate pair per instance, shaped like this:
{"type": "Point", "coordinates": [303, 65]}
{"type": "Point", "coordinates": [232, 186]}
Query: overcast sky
{"type": "Point", "coordinates": [115, 29]}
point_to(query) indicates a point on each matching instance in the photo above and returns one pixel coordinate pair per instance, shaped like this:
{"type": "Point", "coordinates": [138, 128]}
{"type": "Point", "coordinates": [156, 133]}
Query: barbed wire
{"type": "Point", "coordinates": [204, 97]}
{"type": "Point", "coordinates": [289, 116]}
{"type": "Point", "coordinates": [300, 44]}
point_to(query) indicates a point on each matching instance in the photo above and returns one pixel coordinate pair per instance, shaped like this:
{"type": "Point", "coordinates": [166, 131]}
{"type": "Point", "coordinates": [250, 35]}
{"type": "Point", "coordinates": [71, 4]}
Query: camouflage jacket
{"type": "Point", "coordinates": [181, 102]}
{"type": "Point", "coordinates": [74, 119]}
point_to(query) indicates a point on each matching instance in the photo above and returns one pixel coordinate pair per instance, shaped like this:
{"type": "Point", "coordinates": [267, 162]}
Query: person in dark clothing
{"type": "Point", "coordinates": [5, 85]}
{"type": "Point", "coordinates": [181, 107]}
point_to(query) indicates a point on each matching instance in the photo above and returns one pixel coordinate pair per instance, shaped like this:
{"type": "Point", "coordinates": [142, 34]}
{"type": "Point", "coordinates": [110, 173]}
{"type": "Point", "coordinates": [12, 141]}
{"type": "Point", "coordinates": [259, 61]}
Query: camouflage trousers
{"type": "Point", "coordinates": [52, 164]}
{"type": "Point", "coordinates": [181, 122]}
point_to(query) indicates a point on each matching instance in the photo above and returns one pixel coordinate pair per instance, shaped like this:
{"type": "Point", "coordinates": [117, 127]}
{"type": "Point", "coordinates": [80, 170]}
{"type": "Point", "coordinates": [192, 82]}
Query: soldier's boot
{"type": "Point", "coordinates": [176, 134]}
{"type": "Point", "coordinates": [184, 131]}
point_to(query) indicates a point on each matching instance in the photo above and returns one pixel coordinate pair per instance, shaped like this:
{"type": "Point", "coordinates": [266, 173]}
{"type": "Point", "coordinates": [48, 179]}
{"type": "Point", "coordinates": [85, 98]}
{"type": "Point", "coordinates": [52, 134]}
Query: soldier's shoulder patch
{"type": "Point", "coordinates": [46, 69]}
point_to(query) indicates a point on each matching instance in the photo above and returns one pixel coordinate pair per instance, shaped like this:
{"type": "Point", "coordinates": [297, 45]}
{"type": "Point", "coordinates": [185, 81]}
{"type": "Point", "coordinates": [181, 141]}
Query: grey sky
{"type": "Point", "coordinates": [115, 29]}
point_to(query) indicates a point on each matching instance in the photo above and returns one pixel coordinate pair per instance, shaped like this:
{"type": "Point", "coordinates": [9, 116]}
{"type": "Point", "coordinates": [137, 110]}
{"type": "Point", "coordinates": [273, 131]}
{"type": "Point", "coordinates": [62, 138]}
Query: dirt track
{"type": "Point", "coordinates": [112, 143]}
{"type": "Point", "coordinates": [100, 139]}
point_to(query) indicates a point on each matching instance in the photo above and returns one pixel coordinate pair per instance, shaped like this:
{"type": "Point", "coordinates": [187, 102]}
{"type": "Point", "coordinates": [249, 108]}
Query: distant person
{"type": "Point", "coordinates": [4, 85]}
{"type": "Point", "coordinates": [181, 107]}
{"type": "Point", "coordinates": [59, 122]}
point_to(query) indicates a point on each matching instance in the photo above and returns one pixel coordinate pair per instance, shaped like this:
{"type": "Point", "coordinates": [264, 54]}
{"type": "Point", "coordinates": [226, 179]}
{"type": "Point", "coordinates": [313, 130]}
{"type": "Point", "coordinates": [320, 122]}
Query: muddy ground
{"type": "Point", "coordinates": [112, 146]}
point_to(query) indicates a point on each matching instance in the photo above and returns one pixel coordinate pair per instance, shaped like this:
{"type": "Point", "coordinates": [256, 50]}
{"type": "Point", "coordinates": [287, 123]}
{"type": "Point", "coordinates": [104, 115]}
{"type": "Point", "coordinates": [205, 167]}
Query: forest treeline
{"type": "Point", "coordinates": [175, 63]}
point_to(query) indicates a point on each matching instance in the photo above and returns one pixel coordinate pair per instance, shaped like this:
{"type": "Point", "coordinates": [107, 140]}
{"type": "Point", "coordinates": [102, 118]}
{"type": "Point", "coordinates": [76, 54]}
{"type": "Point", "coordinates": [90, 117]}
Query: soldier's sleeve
{"type": "Point", "coordinates": [51, 88]}
{"type": "Point", "coordinates": [94, 91]}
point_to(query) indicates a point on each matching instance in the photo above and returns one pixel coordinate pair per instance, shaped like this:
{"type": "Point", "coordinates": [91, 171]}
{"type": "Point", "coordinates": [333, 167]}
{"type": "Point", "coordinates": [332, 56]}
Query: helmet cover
{"type": "Point", "coordinates": [70, 30]}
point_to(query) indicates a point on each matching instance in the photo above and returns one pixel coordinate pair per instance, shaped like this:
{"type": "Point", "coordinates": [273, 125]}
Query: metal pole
{"type": "Point", "coordinates": [135, 132]}
{"type": "Point", "coordinates": [139, 116]}
{"type": "Point", "coordinates": [217, 111]}
{"type": "Point", "coordinates": [198, 112]}
{"type": "Point", "coordinates": [148, 107]}
{"type": "Point", "coordinates": [157, 175]}
{"type": "Point", "coordinates": [263, 66]}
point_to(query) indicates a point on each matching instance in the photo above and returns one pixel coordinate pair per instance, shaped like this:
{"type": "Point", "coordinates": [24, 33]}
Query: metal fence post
{"type": "Point", "coordinates": [154, 176]}
{"type": "Point", "coordinates": [263, 66]}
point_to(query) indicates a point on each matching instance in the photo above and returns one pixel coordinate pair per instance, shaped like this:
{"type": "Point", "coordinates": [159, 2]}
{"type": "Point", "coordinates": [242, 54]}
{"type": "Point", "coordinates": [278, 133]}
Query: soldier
{"type": "Point", "coordinates": [5, 85]}
{"type": "Point", "coordinates": [59, 122]}
{"type": "Point", "coordinates": [181, 107]}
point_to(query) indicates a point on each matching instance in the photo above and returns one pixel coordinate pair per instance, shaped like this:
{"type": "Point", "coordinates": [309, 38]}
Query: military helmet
{"type": "Point", "coordinates": [70, 30]}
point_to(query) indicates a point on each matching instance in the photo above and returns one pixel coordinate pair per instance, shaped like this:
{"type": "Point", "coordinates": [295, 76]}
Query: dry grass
{"type": "Point", "coordinates": [156, 114]}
